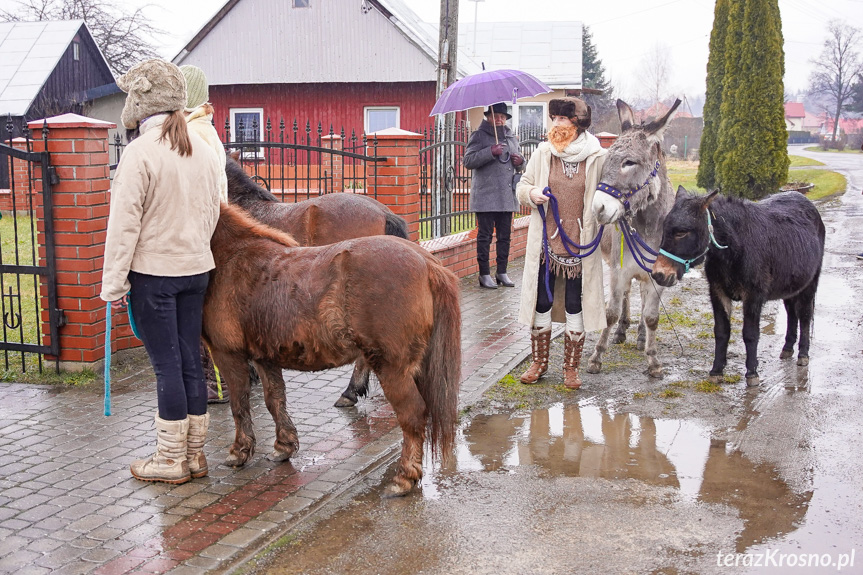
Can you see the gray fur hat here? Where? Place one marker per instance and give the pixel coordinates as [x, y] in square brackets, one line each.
[573, 108]
[153, 86]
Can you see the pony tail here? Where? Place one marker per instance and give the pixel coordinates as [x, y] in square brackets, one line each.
[177, 133]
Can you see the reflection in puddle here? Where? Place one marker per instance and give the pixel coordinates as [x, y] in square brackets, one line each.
[589, 441]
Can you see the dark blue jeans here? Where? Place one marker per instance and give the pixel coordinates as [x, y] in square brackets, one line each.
[167, 313]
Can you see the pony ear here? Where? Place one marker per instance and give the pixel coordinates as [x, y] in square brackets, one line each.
[656, 129]
[708, 199]
[624, 112]
[235, 154]
[681, 193]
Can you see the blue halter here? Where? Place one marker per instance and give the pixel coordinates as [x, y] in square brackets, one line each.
[623, 197]
[687, 263]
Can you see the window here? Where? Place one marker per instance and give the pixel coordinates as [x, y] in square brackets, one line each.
[76, 51]
[380, 118]
[247, 126]
[529, 118]
[301, 3]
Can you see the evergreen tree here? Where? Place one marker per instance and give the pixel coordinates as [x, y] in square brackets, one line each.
[593, 76]
[751, 158]
[713, 98]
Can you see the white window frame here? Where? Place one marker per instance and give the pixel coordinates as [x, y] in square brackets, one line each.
[368, 109]
[516, 113]
[76, 51]
[308, 4]
[249, 153]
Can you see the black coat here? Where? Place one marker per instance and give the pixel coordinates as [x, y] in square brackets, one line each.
[491, 185]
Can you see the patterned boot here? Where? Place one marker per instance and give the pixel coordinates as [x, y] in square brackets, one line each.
[198, 425]
[540, 342]
[573, 344]
[168, 464]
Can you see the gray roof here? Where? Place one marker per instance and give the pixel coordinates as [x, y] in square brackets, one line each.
[29, 52]
[551, 51]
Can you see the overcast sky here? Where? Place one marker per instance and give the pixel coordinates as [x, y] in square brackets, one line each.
[623, 30]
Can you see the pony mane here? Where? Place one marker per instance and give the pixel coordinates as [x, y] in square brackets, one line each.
[241, 186]
[242, 225]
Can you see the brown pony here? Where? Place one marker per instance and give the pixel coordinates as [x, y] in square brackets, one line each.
[382, 299]
[318, 221]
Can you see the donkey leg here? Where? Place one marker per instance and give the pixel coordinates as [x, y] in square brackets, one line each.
[805, 311]
[721, 333]
[357, 387]
[401, 391]
[287, 443]
[650, 319]
[791, 329]
[624, 321]
[234, 368]
[612, 314]
[751, 332]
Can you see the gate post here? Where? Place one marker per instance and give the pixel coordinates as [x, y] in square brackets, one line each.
[331, 164]
[79, 156]
[397, 181]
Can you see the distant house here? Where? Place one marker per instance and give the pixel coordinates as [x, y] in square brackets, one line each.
[795, 115]
[47, 69]
[362, 66]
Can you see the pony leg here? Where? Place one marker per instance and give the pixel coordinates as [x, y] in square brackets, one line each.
[410, 409]
[357, 387]
[650, 320]
[751, 332]
[287, 443]
[791, 329]
[612, 314]
[721, 333]
[805, 307]
[624, 322]
[234, 368]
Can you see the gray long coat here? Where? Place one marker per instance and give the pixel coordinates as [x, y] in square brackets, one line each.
[491, 186]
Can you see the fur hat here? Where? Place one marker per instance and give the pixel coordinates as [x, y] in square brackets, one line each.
[499, 108]
[573, 108]
[197, 88]
[153, 86]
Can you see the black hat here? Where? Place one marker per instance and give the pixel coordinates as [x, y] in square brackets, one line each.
[499, 108]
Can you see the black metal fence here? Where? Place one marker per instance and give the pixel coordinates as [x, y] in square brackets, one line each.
[25, 263]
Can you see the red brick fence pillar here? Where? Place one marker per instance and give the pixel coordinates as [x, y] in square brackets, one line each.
[397, 184]
[79, 154]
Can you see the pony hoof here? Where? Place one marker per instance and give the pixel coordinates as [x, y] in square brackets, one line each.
[345, 402]
[278, 456]
[398, 488]
[619, 338]
[655, 372]
[753, 380]
[594, 367]
[786, 353]
[716, 378]
[235, 461]
[803, 360]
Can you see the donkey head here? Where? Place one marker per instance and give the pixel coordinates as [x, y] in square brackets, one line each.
[631, 167]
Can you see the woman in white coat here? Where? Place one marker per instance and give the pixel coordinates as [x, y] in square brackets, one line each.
[569, 164]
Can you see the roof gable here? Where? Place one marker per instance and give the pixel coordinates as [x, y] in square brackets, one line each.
[269, 41]
[794, 110]
[30, 52]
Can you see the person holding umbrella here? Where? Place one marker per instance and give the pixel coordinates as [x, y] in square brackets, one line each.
[568, 167]
[492, 153]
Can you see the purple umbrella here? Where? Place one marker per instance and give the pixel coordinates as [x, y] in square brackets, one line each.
[487, 88]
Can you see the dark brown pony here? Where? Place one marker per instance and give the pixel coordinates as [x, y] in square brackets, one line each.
[382, 299]
[318, 221]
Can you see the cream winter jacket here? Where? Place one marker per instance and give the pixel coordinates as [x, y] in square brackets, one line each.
[164, 209]
[592, 299]
[200, 121]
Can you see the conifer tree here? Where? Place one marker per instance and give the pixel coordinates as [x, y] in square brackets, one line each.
[751, 158]
[593, 76]
[713, 99]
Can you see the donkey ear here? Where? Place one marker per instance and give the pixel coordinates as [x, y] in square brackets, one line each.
[624, 112]
[681, 193]
[656, 129]
[708, 199]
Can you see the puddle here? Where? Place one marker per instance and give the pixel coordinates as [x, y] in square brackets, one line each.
[594, 442]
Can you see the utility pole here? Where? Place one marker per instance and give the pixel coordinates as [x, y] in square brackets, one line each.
[446, 76]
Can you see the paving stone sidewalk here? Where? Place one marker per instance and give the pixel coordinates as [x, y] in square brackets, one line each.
[69, 505]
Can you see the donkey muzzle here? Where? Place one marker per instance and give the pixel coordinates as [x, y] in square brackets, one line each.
[664, 271]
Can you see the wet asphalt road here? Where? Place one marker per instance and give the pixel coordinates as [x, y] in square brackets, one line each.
[591, 487]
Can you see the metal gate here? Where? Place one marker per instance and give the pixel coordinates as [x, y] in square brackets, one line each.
[444, 184]
[27, 272]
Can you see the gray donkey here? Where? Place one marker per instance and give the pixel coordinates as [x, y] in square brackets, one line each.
[635, 177]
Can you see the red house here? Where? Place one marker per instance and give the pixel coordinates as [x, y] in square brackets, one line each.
[362, 66]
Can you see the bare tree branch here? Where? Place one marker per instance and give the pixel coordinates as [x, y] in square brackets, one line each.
[837, 67]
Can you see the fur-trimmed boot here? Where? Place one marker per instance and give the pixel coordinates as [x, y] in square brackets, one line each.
[168, 464]
[198, 425]
[573, 344]
[540, 342]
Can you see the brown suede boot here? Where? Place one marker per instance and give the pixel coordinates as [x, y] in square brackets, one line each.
[168, 464]
[198, 425]
[540, 342]
[573, 344]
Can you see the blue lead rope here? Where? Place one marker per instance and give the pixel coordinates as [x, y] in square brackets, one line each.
[108, 359]
[555, 212]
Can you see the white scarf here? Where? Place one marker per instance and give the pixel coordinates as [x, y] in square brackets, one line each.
[580, 148]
